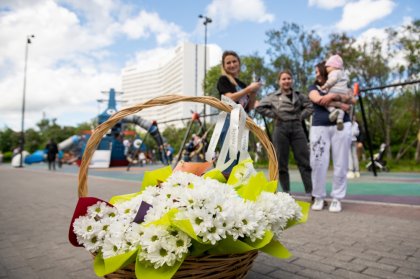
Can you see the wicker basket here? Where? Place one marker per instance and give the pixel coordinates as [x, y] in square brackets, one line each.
[206, 266]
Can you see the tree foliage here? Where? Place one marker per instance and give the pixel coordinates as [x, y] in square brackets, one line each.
[295, 49]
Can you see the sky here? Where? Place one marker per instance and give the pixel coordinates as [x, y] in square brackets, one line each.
[80, 47]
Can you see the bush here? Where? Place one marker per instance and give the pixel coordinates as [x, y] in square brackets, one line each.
[7, 156]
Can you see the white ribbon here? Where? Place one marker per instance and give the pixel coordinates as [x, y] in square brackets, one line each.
[236, 137]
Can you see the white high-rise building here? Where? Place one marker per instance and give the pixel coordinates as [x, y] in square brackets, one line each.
[181, 73]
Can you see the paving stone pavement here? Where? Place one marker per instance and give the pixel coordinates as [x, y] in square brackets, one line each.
[366, 240]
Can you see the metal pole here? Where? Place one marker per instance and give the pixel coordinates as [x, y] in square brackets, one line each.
[207, 20]
[205, 69]
[358, 92]
[22, 135]
[181, 148]
[390, 85]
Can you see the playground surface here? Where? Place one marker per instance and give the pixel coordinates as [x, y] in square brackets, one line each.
[387, 187]
[375, 236]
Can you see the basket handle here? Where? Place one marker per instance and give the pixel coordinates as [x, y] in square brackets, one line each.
[102, 129]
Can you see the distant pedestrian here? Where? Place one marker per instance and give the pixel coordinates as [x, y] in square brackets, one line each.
[52, 150]
[353, 159]
[258, 151]
[60, 158]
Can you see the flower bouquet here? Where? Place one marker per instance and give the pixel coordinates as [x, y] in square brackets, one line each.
[185, 225]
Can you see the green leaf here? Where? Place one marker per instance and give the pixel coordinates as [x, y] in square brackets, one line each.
[144, 271]
[305, 212]
[99, 265]
[198, 248]
[122, 198]
[165, 220]
[276, 249]
[152, 178]
[270, 186]
[253, 189]
[103, 266]
[186, 227]
[238, 172]
[259, 243]
[230, 246]
[215, 174]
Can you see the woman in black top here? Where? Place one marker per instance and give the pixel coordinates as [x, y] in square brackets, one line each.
[230, 86]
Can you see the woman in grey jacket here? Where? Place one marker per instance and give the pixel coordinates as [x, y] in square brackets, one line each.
[288, 108]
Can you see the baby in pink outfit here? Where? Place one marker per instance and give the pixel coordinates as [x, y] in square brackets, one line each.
[336, 83]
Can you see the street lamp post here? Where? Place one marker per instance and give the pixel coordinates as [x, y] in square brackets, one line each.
[22, 135]
[206, 21]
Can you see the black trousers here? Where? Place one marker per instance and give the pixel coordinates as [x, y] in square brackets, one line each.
[51, 164]
[291, 134]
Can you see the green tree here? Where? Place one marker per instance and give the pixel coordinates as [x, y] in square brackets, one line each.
[9, 140]
[33, 140]
[294, 48]
[211, 81]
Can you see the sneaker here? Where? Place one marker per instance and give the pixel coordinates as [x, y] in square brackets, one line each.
[318, 204]
[335, 206]
[340, 124]
[351, 175]
[357, 174]
[333, 115]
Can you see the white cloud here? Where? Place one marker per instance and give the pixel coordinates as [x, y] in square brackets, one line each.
[327, 4]
[357, 15]
[71, 58]
[145, 24]
[157, 57]
[222, 12]
[67, 61]
[380, 34]
[152, 58]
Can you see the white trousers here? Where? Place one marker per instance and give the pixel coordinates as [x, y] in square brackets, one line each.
[353, 159]
[323, 139]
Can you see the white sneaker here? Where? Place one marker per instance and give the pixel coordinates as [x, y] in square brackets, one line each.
[357, 174]
[318, 204]
[335, 206]
[351, 175]
[333, 115]
[340, 124]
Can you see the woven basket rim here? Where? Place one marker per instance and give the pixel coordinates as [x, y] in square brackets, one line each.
[102, 129]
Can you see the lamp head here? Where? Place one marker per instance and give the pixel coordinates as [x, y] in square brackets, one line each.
[28, 38]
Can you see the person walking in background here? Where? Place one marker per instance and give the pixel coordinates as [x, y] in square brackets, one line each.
[288, 108]
[229, 85]
[258, 151]
[52, 150]
[337, 83]
[324, 136]
[353, 159]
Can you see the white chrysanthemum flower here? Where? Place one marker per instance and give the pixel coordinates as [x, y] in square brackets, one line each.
[163, 246]
[278, 209]
[127, 210]
[86, 227]
[104, 225]
[133, 235]
[97, 210]
[93, 244]
[114, 246]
